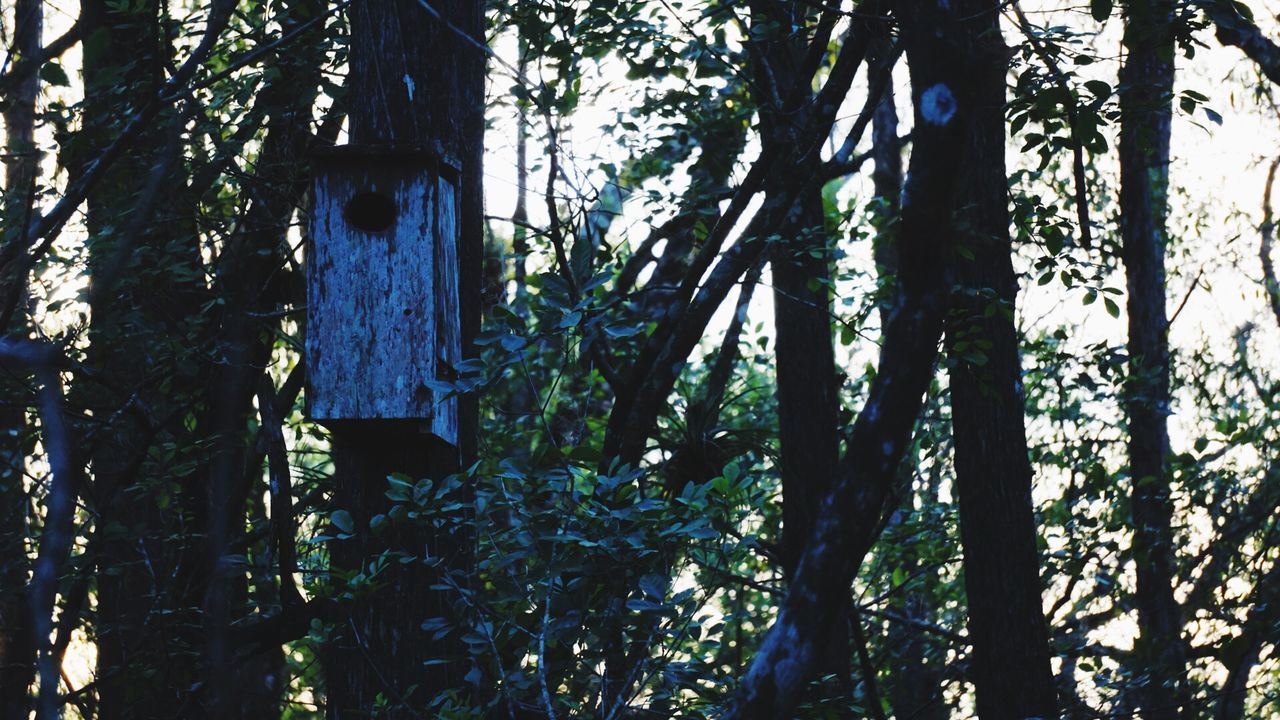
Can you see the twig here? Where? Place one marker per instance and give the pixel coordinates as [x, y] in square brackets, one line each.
[1073, 124]
[866, 666]
[1194, 284]
[1267, 232]
[544, 686]
[282, 519]
[554, 232]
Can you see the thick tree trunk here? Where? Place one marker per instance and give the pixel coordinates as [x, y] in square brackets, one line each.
[1146, 96]
[378, 648]
[417, 80]
[17, 642]
[993, 473]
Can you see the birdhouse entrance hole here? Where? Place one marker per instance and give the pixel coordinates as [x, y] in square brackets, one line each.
[371, 212]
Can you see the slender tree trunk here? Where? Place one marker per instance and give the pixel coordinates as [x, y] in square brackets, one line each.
[1146, 96]
[250, 288]
[417, 79]
[808, 393]
[914, 688]
[845, 526]
[808, 382]
[886, 179]
[993, 473]
[520, 215]
[147, 288]
[17, 643]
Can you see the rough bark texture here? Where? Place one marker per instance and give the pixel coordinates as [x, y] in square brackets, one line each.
[17, 643]
[808, 384]
[848, 516]
[378, 647]
[914, 690]
[1146, 94]
[145, 298]
[1011, 668]
[417, 81]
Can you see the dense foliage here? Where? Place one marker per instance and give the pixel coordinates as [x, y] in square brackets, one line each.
[701, 398]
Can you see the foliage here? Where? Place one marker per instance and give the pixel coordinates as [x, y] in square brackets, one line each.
[621, 564]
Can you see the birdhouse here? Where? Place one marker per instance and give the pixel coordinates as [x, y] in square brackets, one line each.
[383, 327]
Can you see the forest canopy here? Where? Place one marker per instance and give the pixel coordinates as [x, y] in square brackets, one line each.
[739, 359]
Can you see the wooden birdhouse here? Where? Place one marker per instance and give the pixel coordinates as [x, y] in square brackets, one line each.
[382, 287]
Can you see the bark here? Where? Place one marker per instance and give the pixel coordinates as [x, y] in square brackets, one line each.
[17, 642]
[146, 292]
[1146, 94]
[1234, 29]
[417, 81]
[886, 178]
[251, 283]
[644, 394]
[808, 384]
[914, 689]
[1011, 668]
[850, 514]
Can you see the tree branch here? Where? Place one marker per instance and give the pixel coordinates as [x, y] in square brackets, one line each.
[1236, 30]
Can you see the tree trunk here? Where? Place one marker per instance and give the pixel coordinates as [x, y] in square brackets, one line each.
[808, 393]
[881, 435]
[914, 689]
[1146, 95]
[993, 473]
[250, 286]
[417, 80]
[808, 384]
[17, 642]
[147, 288]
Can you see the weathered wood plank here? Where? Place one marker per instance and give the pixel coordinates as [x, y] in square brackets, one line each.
[382, 297]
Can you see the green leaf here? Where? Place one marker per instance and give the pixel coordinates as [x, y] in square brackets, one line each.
[732, 472]
[1101, 9]
[1099, 88]
[53, 74]
[1112, 308]
[847, 335]
[342, 520]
